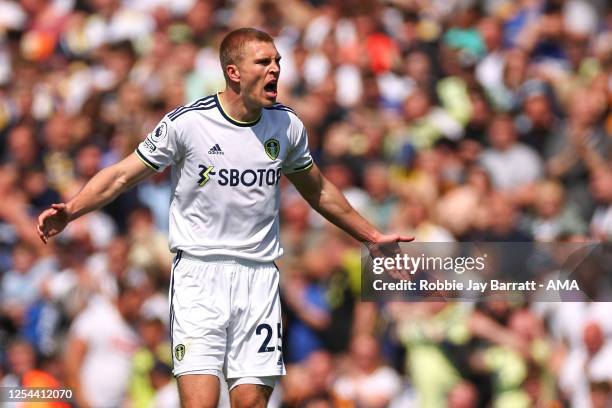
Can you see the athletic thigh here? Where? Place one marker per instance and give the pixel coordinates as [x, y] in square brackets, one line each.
[249, 395]
[199, 390]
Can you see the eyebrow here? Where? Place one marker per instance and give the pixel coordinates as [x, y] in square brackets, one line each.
[265, 59]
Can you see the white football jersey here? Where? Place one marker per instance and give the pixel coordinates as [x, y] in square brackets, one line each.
[225, 176]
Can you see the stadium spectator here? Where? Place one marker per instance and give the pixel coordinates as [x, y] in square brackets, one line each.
[588, 364]
[150, 363]
[601, 187]
[21, 358]
[20, 287]
[166, 391]
[500, 221]
[367, 382]
[307, 306]
[510, 163]
[463, 395]
[98, 363]
[24, 372]
[553, 216]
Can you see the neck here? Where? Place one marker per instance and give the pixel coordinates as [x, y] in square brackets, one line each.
[235, 106]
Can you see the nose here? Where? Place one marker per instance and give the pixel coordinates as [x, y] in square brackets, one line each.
[275, 68]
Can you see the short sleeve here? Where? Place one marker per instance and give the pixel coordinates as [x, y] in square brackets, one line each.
[298, 158]
[161, 147]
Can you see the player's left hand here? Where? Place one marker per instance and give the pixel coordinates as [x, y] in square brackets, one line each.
[387, 245]
[390, 238]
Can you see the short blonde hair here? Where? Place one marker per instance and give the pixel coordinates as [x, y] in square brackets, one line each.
[233, 44]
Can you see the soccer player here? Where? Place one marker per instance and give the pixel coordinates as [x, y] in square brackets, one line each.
[227, 153]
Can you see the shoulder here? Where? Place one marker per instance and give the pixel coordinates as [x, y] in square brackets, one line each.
[525, 150]
[203, 104]
[279, 109]
[490, 154]
[280, 112]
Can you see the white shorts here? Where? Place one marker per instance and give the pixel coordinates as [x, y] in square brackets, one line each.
[225, 315]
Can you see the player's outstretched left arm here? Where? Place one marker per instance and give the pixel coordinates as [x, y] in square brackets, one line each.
[327, 200]
[104, 187]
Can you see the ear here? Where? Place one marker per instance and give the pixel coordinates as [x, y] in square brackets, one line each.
[233, 73]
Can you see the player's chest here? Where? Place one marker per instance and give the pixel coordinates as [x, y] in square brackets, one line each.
[255, 146]
[238, 159]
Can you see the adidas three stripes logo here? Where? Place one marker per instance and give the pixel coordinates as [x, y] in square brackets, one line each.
[216, 149]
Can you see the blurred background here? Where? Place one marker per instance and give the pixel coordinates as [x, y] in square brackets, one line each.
[452, 120]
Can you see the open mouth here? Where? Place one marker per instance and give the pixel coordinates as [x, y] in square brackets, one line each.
[271, 88]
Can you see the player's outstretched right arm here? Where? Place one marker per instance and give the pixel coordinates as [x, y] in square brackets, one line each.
[103, 188]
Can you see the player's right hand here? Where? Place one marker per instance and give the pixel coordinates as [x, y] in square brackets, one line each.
[52, 221]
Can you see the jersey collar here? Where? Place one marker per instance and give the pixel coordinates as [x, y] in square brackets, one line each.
[232, 120]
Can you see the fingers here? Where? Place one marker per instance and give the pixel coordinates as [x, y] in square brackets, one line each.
[393, 238]
[399, 274]
[42, 229]
[59, 207]
[41, 234]
[401, 238]
[45, 214]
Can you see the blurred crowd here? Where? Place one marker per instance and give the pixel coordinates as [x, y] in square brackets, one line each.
[451, 120]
